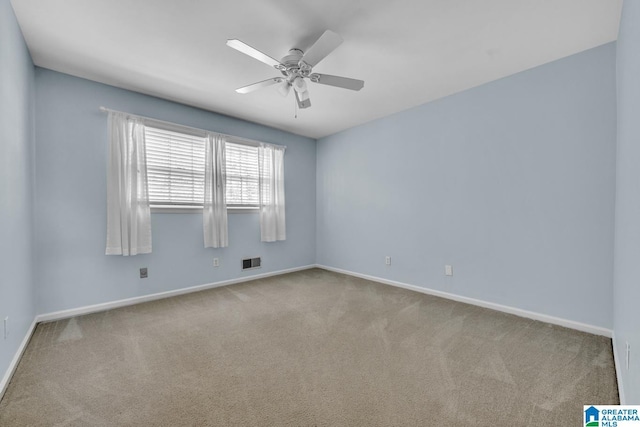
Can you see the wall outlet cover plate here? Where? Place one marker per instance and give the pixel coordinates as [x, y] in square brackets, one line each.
[448, 270]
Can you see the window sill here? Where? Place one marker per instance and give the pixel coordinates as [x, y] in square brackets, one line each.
[198, 210]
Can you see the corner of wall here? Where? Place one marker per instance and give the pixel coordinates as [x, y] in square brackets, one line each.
[17, 145]
[626, 292]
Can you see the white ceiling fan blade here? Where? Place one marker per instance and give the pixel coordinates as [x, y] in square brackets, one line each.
[321, 48]
[259, 85]
[343, 82]
[302, 98]
[252, 52]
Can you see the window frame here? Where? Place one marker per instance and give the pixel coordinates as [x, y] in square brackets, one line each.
[247, 207]
[195, 209]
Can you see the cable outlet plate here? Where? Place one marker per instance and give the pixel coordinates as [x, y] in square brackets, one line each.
[144, 273]
[216, 262]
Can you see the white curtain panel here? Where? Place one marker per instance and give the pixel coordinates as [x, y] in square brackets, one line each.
[128, 210]
[272, 206]
[214, 212]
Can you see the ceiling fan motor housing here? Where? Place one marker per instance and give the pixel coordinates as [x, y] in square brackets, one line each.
[293, 58]
[292, 65]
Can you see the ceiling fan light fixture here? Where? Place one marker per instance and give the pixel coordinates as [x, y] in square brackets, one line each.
[284, 88]
[299, 85]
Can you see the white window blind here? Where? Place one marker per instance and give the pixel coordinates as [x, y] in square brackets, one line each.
[242, 175]
[175, 167]
[175, 170]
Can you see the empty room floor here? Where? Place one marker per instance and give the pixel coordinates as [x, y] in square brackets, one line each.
[311, 348]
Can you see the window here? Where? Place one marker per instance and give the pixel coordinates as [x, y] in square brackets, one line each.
[175, 170]
[242, 175]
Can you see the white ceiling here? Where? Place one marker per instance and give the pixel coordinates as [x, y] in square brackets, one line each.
[408, 52]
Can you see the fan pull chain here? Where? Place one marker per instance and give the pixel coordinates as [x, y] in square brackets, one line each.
[295, 107]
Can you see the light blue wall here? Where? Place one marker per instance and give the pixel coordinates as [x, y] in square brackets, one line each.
[627, 238]
[511, 182]
[16, 185]
[73, 271]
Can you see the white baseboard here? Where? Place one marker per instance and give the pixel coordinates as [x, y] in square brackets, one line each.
[596, 330]
[616, 362]
[16, 359]
[64, 314]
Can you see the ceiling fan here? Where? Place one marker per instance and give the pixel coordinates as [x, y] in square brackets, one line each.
[298, 66]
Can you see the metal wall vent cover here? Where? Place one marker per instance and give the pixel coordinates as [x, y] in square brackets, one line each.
[249, 263]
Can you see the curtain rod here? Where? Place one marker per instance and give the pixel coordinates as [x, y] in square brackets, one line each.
[152, 120]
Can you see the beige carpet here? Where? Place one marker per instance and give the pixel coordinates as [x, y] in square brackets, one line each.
[311, 348]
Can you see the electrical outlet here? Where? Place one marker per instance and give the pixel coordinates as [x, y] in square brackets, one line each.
[143, 273]
[216, 262]
[387, 260]
[6, 327]
[628, 354]
[448, 270]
